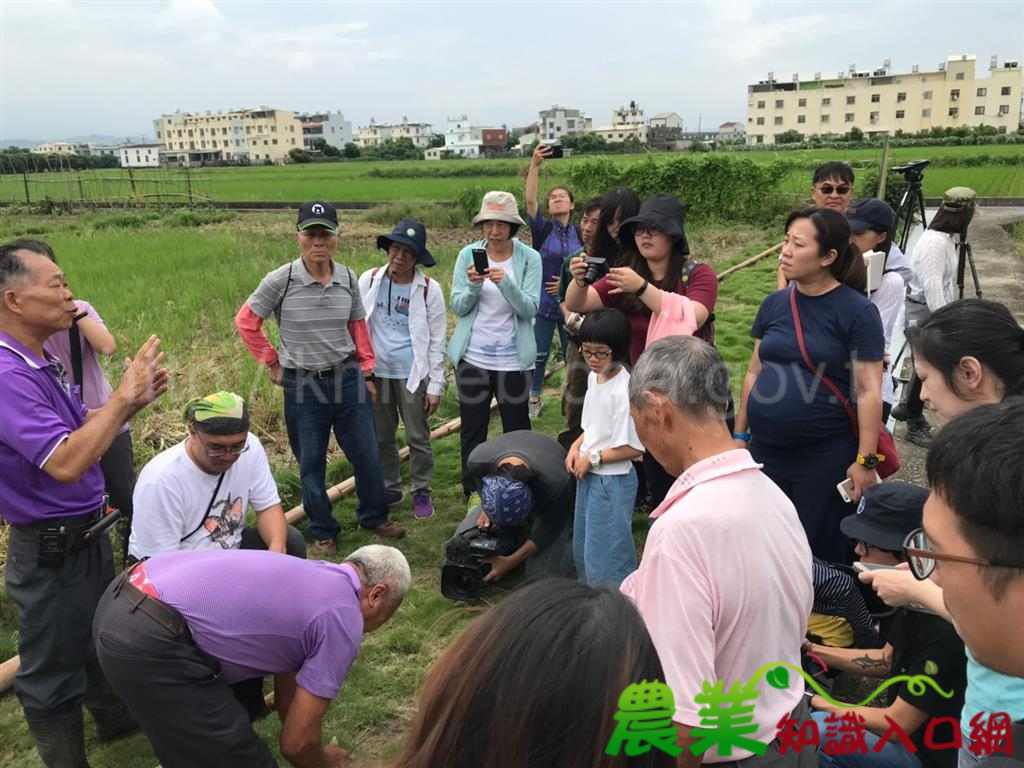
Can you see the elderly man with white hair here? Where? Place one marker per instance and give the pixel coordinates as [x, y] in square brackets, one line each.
[725, 581]
[174, 631]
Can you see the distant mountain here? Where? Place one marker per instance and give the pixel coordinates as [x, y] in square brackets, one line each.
[98, 138]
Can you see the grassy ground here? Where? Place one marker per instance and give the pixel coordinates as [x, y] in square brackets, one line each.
[185, 281]
[356, 180]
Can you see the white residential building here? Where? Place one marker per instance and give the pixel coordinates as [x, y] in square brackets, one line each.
[667, 120]
[332, 127]
[561, 121]
[140, 155]
[631, 115]
[375, 134]
[55, 148]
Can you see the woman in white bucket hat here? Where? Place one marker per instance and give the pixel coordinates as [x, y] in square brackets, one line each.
[493, 347]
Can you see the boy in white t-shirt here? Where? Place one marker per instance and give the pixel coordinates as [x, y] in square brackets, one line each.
[601, 458]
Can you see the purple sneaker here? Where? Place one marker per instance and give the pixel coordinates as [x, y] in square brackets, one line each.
[422, 507]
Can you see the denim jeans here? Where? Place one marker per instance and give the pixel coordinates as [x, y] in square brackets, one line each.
[602, 534]
[544, 332]
[312, 408]
[893, 754]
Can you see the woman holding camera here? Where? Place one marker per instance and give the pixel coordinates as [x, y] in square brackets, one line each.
[656, 259]
[495, 296]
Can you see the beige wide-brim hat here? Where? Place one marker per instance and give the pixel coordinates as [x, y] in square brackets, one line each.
[499, 206]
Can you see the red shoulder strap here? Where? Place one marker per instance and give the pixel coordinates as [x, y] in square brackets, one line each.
[820, 375]
[426, 285]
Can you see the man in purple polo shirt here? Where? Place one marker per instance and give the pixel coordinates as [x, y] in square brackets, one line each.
[52, 493]
[174, 632]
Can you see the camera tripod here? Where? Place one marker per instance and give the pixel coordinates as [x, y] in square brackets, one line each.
[965, 258]
[911, 199]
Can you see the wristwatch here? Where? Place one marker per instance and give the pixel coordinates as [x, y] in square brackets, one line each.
[870, 461]
[595, 459]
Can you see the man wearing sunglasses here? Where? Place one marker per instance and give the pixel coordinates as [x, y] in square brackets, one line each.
[918, 643]
[832, 186]
[195, 495]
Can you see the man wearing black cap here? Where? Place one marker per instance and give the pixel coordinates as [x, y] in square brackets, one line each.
[325, 364]
[919, 644]
[406, 315]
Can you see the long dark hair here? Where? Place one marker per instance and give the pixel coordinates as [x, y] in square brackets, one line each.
[978, 328]
[624, 202]
[535, 681]
[832, 232]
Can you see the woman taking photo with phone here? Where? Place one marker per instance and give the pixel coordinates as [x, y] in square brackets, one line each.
[495, 295]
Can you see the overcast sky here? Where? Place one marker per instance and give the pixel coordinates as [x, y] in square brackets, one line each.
[74, 68]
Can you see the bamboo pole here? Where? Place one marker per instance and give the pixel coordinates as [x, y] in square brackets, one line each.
[749, 262]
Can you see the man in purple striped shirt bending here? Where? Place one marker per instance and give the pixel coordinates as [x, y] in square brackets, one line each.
[174, 631]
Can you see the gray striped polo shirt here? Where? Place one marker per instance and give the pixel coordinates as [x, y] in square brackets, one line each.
[313, 318]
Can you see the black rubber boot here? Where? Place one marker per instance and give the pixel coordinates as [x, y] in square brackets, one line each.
[113, 720]
[59, 736]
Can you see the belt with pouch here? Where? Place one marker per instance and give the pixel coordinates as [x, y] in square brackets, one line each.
[79, 528]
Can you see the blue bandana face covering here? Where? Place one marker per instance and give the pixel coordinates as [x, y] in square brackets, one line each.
[505, 501]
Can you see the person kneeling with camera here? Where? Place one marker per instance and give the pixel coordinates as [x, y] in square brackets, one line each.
[521, 476]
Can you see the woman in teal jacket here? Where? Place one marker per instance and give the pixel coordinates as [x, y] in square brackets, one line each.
[493, 347]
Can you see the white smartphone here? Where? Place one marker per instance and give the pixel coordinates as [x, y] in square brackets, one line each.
[845, 488]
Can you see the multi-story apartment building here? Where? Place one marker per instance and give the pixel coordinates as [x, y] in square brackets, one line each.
[627, 122]
[375, 134]
[879, 102]
[55, 148]
[250, 135]
[140, 155]
[560, 121]
[332, 127]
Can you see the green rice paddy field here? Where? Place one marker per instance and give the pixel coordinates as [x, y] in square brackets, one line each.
[359, 181]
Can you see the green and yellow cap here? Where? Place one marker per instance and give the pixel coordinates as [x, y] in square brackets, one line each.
[222, 413]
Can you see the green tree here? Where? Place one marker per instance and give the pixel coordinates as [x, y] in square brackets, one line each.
[789, 137]
[351, 151]
[437, 140]
[855, 134]
[298, 155]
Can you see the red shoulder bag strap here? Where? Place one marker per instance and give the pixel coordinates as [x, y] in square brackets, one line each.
[843, 400]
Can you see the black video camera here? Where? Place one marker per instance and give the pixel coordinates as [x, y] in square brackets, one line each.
[462, 577]
[597, 267]
[912, 172]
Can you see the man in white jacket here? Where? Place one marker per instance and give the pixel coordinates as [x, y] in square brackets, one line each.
[406, 316]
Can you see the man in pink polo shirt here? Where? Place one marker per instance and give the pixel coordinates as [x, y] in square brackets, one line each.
[724, 585]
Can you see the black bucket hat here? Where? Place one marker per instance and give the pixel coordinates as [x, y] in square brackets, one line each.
[886, 514]
[663, 213]
[413, 234]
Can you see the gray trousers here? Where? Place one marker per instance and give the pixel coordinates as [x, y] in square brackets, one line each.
[54, 608]
[174, 690]
[394, 400]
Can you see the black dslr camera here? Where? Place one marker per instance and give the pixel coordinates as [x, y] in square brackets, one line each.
[597, 267]
[462, 577]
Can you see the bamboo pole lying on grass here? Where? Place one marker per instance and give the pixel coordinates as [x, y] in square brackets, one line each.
[749, 262]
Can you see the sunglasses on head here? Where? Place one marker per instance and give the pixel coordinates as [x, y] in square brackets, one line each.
[828, 189]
